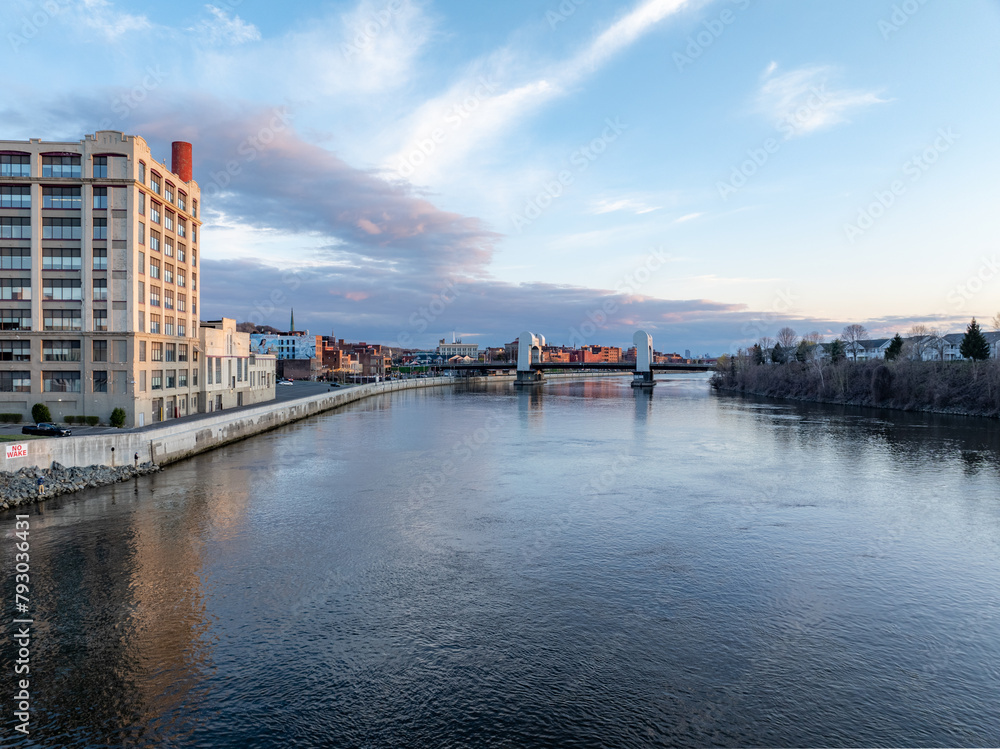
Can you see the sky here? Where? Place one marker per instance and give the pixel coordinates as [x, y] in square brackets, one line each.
[401, 170]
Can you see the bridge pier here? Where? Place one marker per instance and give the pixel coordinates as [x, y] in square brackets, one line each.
[529, 351]
[643, 377]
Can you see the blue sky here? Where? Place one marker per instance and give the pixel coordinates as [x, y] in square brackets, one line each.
[399, 169]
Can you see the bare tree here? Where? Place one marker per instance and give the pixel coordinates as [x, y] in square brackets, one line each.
[917, 341]
[854, 333]
[995, 322]
[813, 337]
[787, 338]
[766, 343]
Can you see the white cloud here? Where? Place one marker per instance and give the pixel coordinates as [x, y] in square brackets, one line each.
[225, 29]
[625, 204]
[102, 16]
[803, 101]
[507, 101]
[688, 217]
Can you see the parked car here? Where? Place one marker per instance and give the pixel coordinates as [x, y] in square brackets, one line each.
[46, 430]
[285, 382]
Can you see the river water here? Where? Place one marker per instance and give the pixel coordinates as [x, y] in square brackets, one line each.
[578, 566]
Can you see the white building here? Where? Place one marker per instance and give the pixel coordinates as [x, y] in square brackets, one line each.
[457, 348]
[288, 345]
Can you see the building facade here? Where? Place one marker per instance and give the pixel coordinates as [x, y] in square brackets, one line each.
[98, 278]
[288, 345]
[448, 350]
[231, 373]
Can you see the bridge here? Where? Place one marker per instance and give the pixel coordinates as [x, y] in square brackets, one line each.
[530, 367]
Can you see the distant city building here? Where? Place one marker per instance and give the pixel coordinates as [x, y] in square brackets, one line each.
[457, 348]
[231, 373]
[288, 345]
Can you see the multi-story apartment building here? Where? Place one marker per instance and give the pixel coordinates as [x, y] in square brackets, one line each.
[98, 278]
[457, 348]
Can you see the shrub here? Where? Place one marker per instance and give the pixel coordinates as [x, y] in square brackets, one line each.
[93, 420]
[881, 383]
[40, 412]
[10, 418]
[69, 419]
[117, 419]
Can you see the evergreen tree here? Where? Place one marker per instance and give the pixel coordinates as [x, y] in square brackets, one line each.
[837, 353]
[974, 345]
[778, 354]
[895, 348]
[757, 354]
[803, 352]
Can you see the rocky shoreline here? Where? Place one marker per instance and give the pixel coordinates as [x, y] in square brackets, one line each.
[30, 485]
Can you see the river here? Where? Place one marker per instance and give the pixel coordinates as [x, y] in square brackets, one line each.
[578, 566]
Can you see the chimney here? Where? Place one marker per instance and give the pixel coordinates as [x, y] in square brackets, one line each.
[181, 159]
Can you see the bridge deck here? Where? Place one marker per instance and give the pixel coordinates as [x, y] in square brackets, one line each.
[576, 366]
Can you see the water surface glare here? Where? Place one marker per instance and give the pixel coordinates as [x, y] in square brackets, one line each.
[578, 566]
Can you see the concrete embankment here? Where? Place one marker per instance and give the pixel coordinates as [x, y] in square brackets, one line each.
[106, 458]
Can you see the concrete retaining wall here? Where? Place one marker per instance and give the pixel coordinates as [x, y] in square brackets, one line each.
[180, 439]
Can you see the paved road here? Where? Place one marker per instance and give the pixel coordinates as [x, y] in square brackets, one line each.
[283, 393]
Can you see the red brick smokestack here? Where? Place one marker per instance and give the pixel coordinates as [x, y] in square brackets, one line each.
[181, 160]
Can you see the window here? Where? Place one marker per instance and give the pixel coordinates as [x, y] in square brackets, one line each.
[154, 323]
[168, 327]
[100, 228]
[182, 201]
[181, 303]
[142, 172]
[100, 350]
[194, 209]
[181, 279]
[180, 253]
[154, 212]
[60, 351]
[182, 352]
[142, 381]
[168, 299]
[15, 382]
[142, 321]
[194, 378]
[157, 379]
[61, 319]
[142, 233]
[15, 289]
[182, 379]
[142, 262]
[100, 319]
[168, 221]
[168, 247]
[100, 289]
[15, 319]
[142, 203]
[171, 378]
[168, 273]
[218, 369]
[142, 351]
[154, 268]
[194, 257]
[18, 196]
[64, 198]
[194, 306]
[100, 167]
[154, 240]
[154, 183]
[15, 227]
[15, 165]
[181, 228]
[62, 289]
[61, 228]
[16, 350]
[170, 352]
[61, 258]
[100, 198]
[154, 296]
[208, 369]
[194, 281]
[61, 382]
[168, 193]
[15, 258]
[100, 258]
[100, 382]
[194, 233]
[61, 166]
[181, 328]
[141, 296]
[157, 352]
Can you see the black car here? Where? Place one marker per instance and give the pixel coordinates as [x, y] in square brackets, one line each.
[46, 430]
